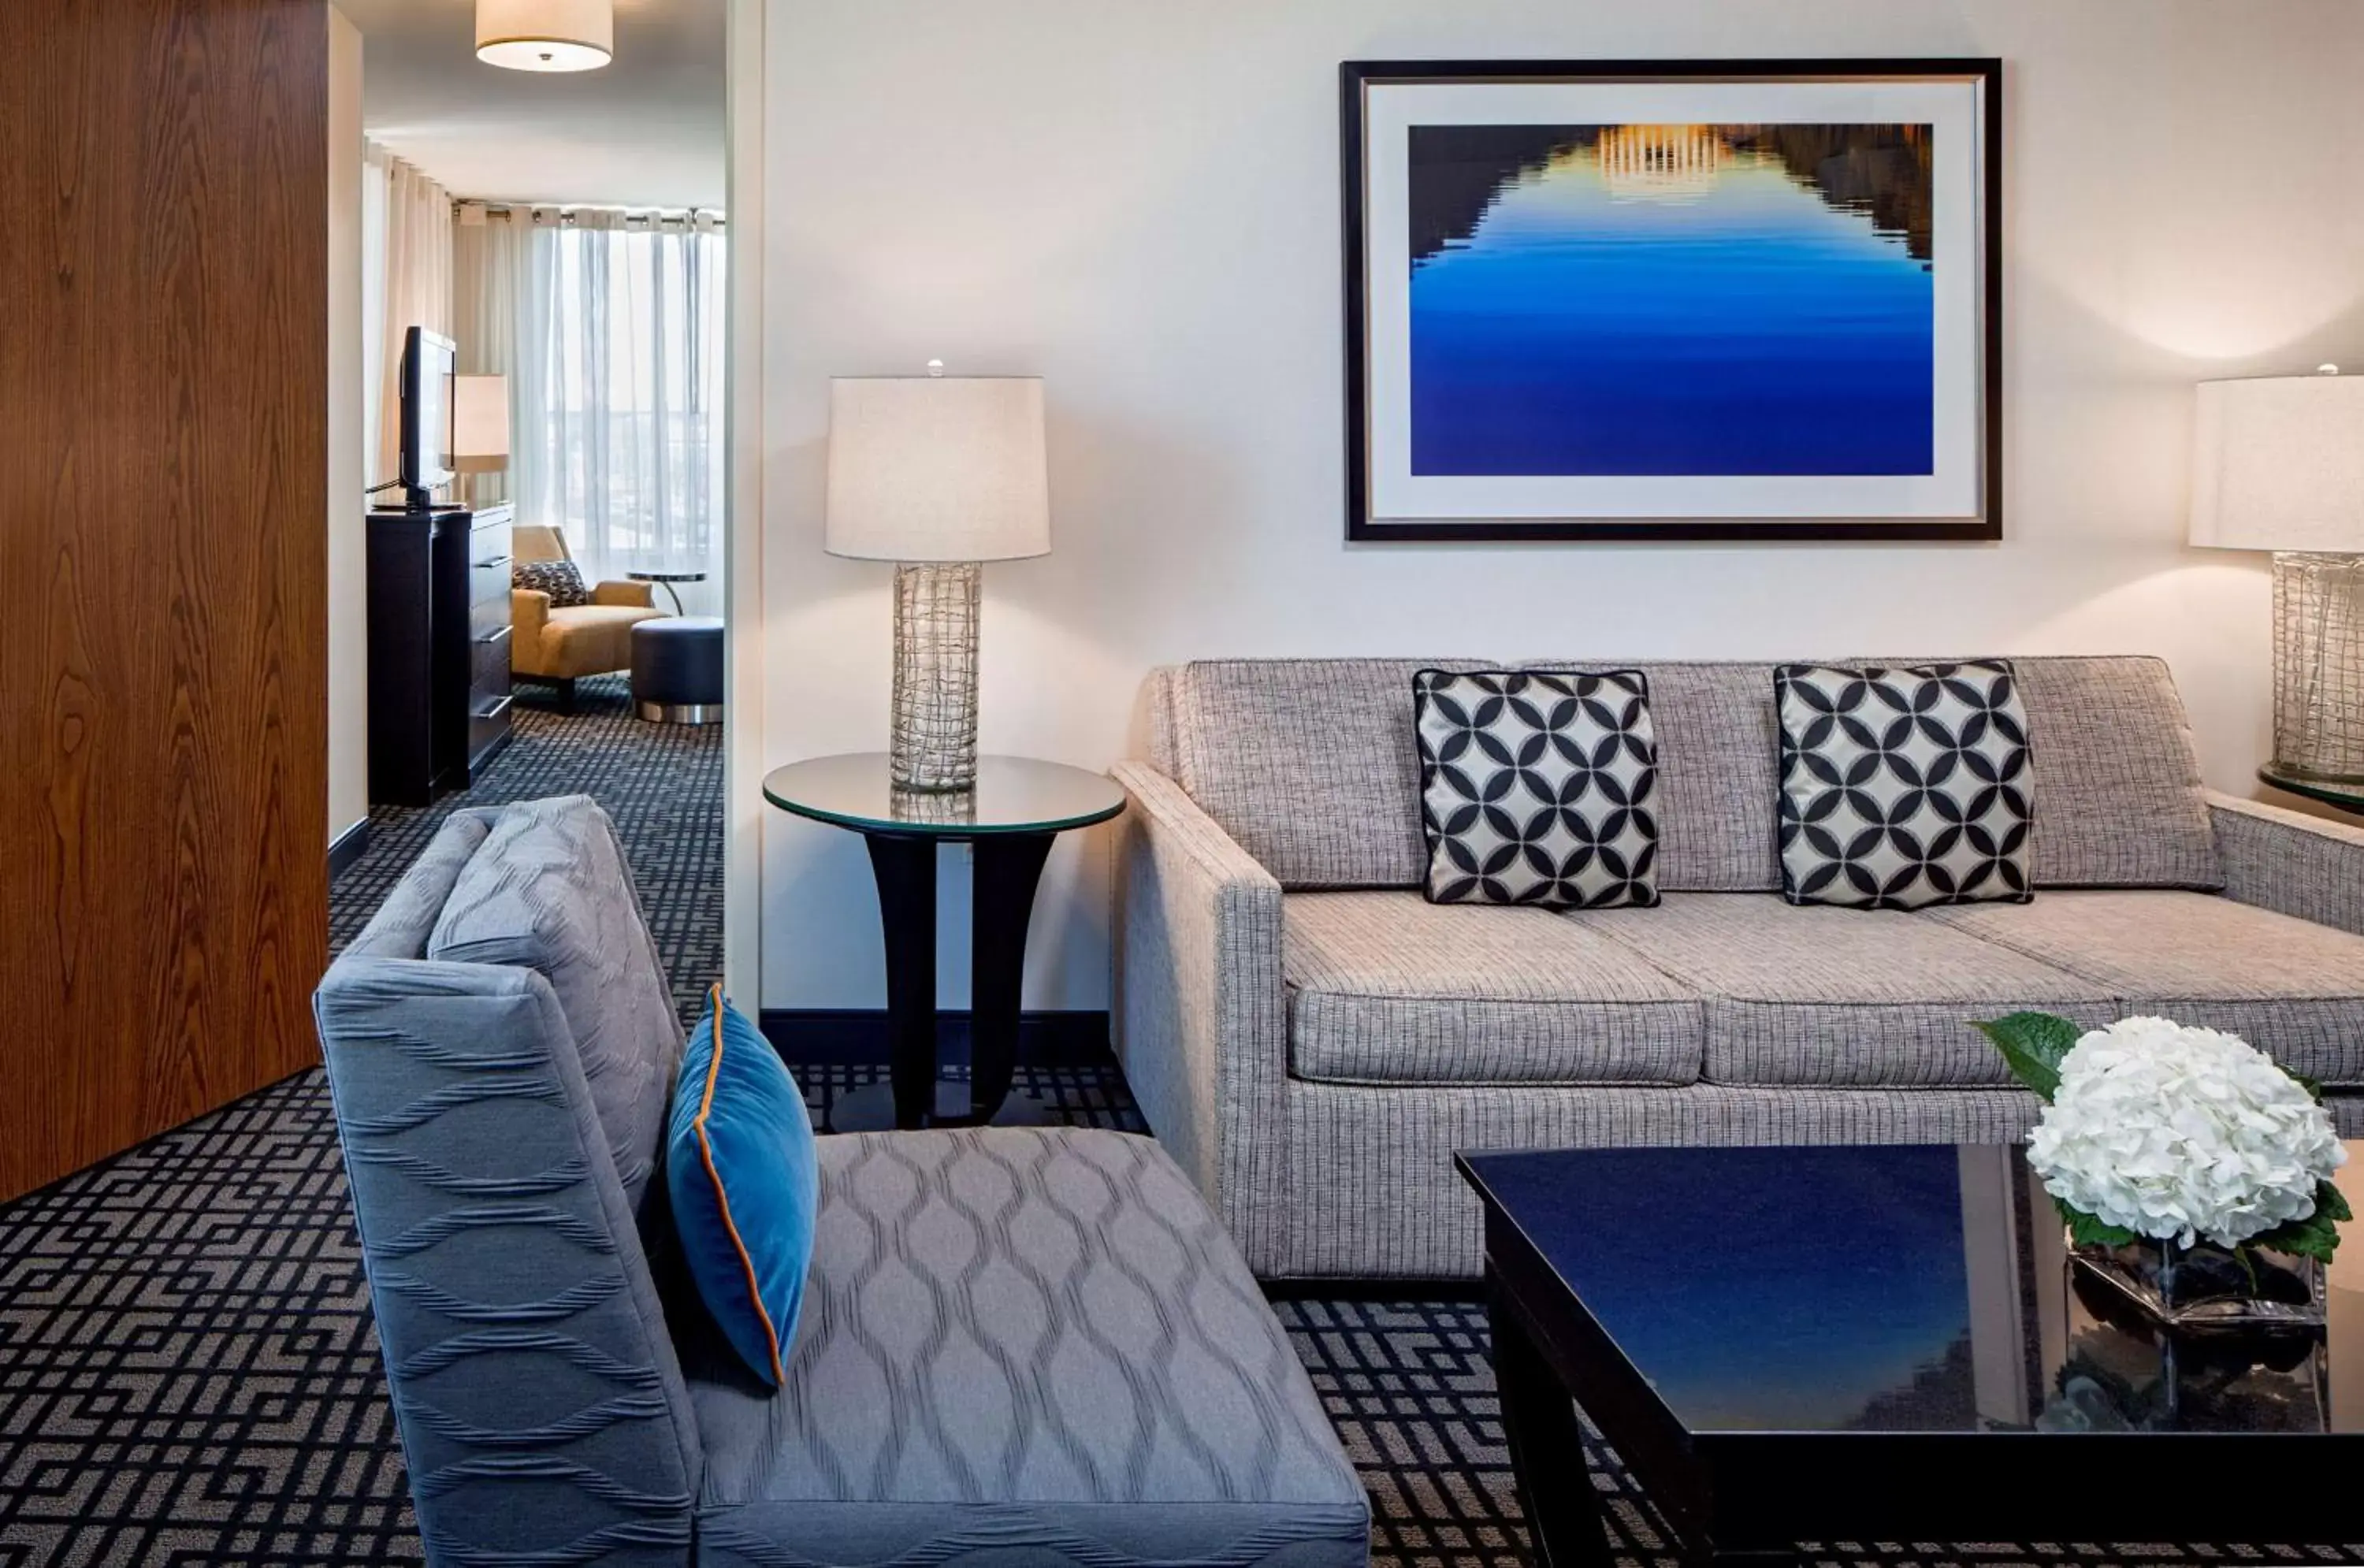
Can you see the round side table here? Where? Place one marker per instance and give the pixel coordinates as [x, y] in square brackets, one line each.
[666, 580]
[1019, 805]
[2346, 796]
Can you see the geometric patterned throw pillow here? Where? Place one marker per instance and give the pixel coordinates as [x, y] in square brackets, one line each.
[561, 580]
[1903, 788]
[1536, 786]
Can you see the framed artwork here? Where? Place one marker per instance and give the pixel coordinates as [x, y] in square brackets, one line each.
[1652, 299]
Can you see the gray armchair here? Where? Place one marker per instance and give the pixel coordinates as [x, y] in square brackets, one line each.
[1017, 1344]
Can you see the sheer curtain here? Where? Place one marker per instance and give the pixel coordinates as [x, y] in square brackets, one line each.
[616, 390]
[494, 265]
[406, 267]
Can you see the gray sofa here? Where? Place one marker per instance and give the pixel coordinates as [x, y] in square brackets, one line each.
[1016, 1345]
[1312, 1041]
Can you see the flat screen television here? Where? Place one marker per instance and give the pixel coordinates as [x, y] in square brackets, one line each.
[429, 363]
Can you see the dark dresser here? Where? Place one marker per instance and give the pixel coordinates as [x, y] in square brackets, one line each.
[439, 649]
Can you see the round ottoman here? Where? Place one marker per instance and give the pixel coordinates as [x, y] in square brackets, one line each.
[677, 669]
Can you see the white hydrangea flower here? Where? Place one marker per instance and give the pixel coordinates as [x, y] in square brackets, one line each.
[2180, 1132]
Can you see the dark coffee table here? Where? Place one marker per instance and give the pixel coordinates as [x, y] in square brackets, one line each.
[1868, 1344]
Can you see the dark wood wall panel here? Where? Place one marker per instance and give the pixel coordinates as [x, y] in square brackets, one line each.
[163, 450]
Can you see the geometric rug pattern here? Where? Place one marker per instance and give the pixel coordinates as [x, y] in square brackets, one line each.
[188, 1374]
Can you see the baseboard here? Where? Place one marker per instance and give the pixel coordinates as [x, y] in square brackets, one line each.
[348, 847]
[856, 1037]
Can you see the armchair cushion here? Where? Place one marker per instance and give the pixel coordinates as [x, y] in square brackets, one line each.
[1024, 1346]
[587, 639]
[631, 596]
[740, 1164]
[561, 580]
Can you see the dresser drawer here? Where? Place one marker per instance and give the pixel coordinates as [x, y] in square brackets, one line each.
[488, 658]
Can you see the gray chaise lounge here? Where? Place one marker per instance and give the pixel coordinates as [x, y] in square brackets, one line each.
[1312, 1041]
[1017, 1346]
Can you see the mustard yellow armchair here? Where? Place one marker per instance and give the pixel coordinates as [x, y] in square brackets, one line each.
[556, 646]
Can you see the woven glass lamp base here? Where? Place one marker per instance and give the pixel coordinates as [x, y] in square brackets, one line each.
[2319, 667]
[934, 746]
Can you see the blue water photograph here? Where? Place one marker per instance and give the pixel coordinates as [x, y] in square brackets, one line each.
[1689, 300]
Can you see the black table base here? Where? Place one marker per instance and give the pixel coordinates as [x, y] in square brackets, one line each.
[1008, 868]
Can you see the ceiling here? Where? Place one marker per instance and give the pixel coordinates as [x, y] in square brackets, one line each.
[647, 130]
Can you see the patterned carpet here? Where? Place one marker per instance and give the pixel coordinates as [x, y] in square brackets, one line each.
[188, 1374]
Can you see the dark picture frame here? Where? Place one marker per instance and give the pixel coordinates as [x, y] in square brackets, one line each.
[1982, 467]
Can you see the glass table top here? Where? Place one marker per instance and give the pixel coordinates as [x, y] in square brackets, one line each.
[1897, 1289]
[1013, 795]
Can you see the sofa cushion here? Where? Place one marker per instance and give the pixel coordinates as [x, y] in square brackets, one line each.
[1023, 1345]
[2292, 989]
[548, 890]
[1310, 764]
[1388, 988]
[2118, 797]
[1903, 787]
[1537, 787]
[1832, 997]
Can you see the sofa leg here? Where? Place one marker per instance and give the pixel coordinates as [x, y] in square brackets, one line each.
[566, 694]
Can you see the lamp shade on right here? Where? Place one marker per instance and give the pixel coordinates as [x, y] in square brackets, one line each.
[937, 469]
[2278, 464]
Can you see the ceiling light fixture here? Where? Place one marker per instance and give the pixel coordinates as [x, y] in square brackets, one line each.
[546, 35]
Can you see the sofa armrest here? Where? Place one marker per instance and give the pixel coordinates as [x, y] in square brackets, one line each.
[631, 596]
[2291, 862]
[1203, 1022]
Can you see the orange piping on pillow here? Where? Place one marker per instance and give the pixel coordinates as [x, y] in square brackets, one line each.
[722, 1199]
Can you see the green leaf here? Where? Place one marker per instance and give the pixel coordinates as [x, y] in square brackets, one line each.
[2085, 1230]
[2033, 1043]
[2317, 1236]
[2313, 1089]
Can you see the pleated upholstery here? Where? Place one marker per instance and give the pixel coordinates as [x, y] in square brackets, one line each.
[1025, 1342]
[543, 1411]
[548, 890]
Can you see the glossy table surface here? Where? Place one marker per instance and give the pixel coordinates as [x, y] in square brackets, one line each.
[2346, 796]
[1013, 795]
[1890, 1289]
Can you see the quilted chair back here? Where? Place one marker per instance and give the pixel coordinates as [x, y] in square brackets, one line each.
[541, 1409]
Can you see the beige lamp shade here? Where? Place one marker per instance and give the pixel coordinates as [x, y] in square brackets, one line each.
[479, 423]
[937, 469]
[2278, 464]
[546, 35]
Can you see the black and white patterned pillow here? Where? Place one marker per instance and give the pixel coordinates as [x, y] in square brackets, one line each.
[1536, 786]
[561, 580]
[1902, 788]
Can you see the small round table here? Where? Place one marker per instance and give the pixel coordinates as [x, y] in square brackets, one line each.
[1018, 806]
[2346, 796]
[666, 580]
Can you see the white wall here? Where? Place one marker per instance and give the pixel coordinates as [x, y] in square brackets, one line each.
[347, 540]
[1140, 202]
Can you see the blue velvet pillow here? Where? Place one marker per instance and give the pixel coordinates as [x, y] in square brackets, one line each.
[745, 1182]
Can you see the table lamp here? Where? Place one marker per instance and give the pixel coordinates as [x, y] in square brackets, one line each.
[480, 427]
[937, 473]
[2278, 464]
